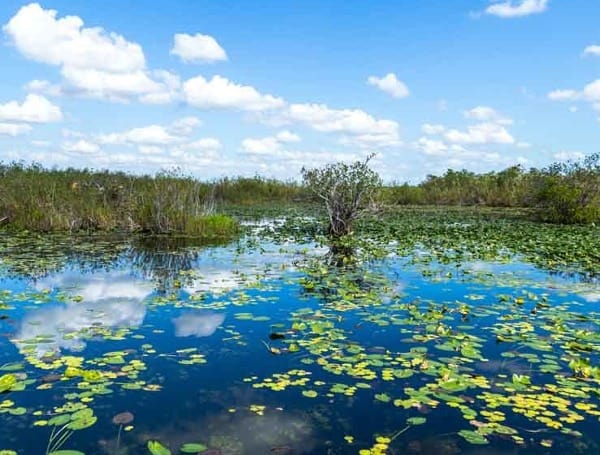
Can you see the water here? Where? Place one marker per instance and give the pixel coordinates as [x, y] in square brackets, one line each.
[262, 347]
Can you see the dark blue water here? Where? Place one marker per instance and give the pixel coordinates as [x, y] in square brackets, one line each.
[265, 348]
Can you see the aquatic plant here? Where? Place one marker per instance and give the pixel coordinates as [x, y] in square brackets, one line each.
[122, 418]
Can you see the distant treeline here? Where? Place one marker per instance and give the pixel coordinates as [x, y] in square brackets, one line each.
[35, 198]
[561, 193]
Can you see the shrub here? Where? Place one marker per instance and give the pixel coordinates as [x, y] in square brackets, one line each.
[346, 190]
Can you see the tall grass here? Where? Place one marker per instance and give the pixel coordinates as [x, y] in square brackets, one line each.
[38, 199]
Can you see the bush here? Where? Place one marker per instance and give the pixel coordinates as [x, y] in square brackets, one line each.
[346, 190]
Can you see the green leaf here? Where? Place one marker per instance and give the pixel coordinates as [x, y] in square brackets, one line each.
[416, 420]
[193, 447]
[156, 448]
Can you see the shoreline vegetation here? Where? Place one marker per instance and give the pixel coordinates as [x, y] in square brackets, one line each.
[33, 198]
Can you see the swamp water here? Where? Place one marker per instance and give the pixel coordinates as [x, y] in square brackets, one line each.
[266, 346]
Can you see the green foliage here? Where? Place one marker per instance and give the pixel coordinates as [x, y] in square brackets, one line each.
[72, 200]
[346, 190]
[569, 193]
[565, 193]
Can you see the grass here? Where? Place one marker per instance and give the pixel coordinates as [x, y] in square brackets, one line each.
[72, 200]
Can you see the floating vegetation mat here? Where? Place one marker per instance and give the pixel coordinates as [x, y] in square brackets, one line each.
[273, 344]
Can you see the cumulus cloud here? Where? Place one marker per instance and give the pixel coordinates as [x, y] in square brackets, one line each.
[185, 126]
[431, 146]
[589, 93]
[92, 62]
[14, 129]
[389, 84]
[43, 87]
[198, 324]
[471, 147]
[490, 129]
[357, 127]
[150, 135]
[564, 95]
[593, 49]
[155, 135]
[431, 129]
[487, 114]
[197, 48]
[269, 144]
[81, 146]
[221, 93]
[145, 149]
[481, 133]
[34, 109]
[521, 8]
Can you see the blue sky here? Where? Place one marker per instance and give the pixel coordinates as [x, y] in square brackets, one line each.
[266, 87]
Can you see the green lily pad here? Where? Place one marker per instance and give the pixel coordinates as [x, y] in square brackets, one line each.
[193, 447]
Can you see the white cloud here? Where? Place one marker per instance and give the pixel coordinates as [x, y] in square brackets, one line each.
[145, 149]
[564, 95]
[591, 296]
[43, 87]
[510, 9]
[568, 156]
[81, 146]
[221, 93]
[269, 144]
[593, 49]
[260, 146]
[357, 127]
[147, 135]
[34, 109]
[92, 62]
[185, 126]
[175, 133]
[197, 48]
[14, 129]
[151, 150]
[110, 299]
[390, 84]
[41, 37]
[431, 129]
[591, 91]
[197, 324]
[481, 133]
[207, 144]
[432, 147]
[287, 136]
[487, 114]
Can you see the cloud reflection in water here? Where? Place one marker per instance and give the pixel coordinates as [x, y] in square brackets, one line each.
[110, 299]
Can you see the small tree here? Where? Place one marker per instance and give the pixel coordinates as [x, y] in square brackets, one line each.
[346, 190]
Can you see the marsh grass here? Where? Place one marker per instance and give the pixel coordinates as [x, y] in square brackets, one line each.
[71, 200]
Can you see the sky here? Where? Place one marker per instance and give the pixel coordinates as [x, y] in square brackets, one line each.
[240, 88]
